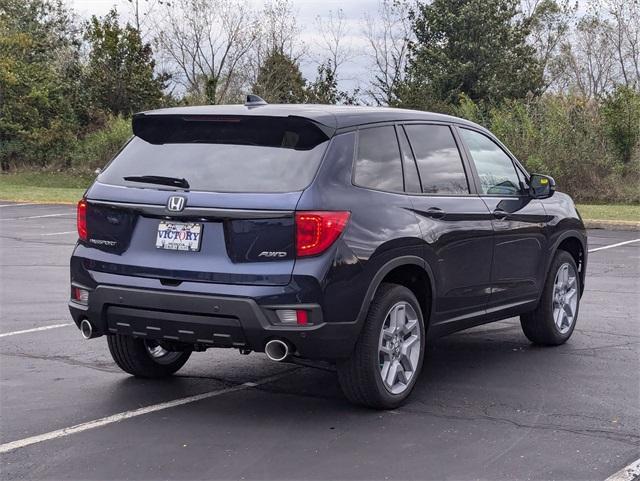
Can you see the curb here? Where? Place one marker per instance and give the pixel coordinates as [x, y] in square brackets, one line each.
[612, 224]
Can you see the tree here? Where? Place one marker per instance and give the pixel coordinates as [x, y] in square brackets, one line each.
[324, 90]
[121, 68]
[389, 35]
[549, 25]
[475, 47]
[625, 39]
[40, 91]
[207, 42]
[333, 41]
[277, 31]
[280, 80]
[621, 111]
[588, 63]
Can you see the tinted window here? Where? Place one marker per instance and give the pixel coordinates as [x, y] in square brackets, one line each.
[411, 177]
[378, 160]
[496, 170]
[439, 160]
[221, 154]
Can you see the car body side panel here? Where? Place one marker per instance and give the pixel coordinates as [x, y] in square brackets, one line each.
[518, 271]
[459, 249]
[382, 227]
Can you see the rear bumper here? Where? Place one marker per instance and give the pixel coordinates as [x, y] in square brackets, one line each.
[215, 321]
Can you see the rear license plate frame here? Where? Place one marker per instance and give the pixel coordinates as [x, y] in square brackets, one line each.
[178, 242]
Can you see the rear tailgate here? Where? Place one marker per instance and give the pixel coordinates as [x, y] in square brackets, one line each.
[237, 245]
[208, 199]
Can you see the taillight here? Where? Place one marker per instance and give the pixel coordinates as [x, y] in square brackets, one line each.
[82, 220]
[317, 230]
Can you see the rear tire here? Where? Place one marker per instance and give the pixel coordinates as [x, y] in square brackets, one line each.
[145, 358]
[553, 321]
[389, 353]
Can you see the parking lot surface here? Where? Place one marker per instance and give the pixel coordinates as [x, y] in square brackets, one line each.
[489, 405]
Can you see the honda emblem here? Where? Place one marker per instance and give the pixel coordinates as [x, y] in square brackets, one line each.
[176, 203]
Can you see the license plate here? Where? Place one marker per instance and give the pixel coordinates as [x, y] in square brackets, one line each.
[179, 236]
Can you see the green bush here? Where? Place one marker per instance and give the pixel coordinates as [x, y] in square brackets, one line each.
[621, 112]
[568, 138]
[98, 147]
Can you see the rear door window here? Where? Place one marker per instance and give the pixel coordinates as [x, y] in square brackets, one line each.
[439, 160]
[221, 154]
[378, 165]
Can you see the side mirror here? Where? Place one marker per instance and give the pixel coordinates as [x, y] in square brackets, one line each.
[541, 186]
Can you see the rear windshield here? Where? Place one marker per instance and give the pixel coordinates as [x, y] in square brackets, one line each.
[220, 154]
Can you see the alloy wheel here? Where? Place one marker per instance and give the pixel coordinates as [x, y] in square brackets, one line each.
[159, 354]
[399, 347]
[565, 297]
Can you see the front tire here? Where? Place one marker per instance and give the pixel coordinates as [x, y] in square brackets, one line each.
[145, 358]
[553, 321]
[388, 356]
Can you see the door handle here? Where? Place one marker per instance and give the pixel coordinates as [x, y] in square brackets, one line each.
[500, 214]
[435, 213]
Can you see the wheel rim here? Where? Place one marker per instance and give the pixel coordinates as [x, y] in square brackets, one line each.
[565, 297]
[159, 354]
[399, 347]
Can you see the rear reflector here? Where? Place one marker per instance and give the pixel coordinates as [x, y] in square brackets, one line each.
[301, 317]
[79, 295]
[293, 316]
[82, 220]
[317, 230]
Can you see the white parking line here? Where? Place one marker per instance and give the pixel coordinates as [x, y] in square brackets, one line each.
[16, 205]
[78, 428]
[35, 329]
[40, 216]
[613, 245]
[60, 233]
[627, 473]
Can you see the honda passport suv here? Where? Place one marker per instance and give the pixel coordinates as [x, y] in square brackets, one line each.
[349, 235]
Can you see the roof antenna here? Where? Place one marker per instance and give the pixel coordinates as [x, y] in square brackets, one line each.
[254, 101]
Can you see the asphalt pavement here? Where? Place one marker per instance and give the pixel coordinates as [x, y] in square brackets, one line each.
[489, 405]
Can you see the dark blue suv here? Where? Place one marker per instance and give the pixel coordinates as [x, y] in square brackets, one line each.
[339, 234]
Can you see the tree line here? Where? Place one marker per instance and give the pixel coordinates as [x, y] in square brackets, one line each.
[560, 85]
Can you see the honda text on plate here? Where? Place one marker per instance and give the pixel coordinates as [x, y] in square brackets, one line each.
[349, 235]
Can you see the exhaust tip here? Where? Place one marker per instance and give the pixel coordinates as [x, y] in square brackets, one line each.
[86, 329]
[276, 350]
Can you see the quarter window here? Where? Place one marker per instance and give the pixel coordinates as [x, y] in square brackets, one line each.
[495, 168]
[378, 164]
[439, 160]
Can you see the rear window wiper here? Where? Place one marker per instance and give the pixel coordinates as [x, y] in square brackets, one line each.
[158, 179]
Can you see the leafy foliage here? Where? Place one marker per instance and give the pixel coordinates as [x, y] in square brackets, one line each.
[121, 68]
[566, 137]
[474, 47]
[621, 112]
[324, 90]
[280, 80]
[39, 91]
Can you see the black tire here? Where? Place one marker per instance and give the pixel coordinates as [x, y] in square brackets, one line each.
[132, 355]
[539, 325]
[360, 376]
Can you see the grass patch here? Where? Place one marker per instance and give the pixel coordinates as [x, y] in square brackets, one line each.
[38, 186]
[610, 212]
[34, 186]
